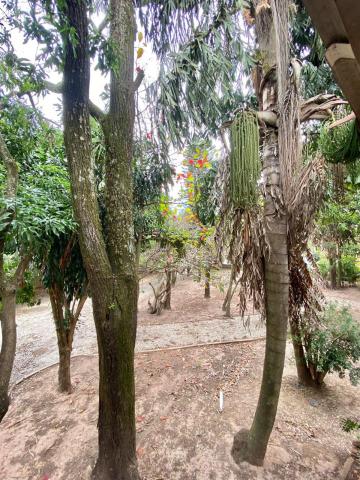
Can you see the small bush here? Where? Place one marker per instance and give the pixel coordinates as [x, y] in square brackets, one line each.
[335, 345]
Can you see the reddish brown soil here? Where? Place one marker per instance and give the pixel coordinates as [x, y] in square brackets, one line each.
[181, 433]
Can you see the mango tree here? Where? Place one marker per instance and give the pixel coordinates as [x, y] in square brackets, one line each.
[31, 214]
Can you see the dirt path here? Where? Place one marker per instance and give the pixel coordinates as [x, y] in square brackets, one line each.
[193, 320]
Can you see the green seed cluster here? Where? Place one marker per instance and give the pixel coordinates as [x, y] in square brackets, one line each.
[244, 159]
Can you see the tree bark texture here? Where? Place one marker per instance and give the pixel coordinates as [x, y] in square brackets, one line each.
[109, 259]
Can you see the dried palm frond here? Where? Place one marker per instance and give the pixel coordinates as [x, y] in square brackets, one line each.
[288, 103]
[305, 296]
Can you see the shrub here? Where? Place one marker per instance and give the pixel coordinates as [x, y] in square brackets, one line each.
[335, 345]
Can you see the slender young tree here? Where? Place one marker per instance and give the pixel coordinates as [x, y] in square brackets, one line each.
[65, 279]
[33, 208]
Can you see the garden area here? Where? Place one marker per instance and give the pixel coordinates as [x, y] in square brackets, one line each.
[179, 243]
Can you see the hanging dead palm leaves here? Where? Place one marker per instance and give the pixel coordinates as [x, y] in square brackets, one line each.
[244, 159]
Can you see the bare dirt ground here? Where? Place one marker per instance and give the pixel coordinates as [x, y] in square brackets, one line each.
[181, 435]
[180, 432]
[192, 320]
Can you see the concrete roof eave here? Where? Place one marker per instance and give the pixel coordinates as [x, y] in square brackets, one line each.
[338, 24]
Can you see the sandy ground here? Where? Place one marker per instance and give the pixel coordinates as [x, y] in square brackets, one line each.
[181, 434]
[192, 320]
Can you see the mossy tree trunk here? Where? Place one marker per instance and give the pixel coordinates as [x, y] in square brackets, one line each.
[109, 258]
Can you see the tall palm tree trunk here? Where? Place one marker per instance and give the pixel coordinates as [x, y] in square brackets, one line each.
[251, 445]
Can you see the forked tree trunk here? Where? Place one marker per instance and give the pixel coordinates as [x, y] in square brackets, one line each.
[251, 445]
[65, 324]
[109, 259]
[8, 346]
[207, 282]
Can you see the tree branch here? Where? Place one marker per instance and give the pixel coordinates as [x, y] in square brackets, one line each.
[139, 78]
[95, 111]
[21, 268]
[316, 108]
[343, 120]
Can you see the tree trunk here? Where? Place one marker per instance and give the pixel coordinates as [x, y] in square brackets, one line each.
[318, 377]
[8, 286]
[116, 424]
[226, 306]
[251, 445]
[109, 259]
[65, 328]
[303, 371]
[8, 346]
[173, 277]
[333, 271]
[339, 267]
[167, 301]
[64, 375]
[207, 282]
